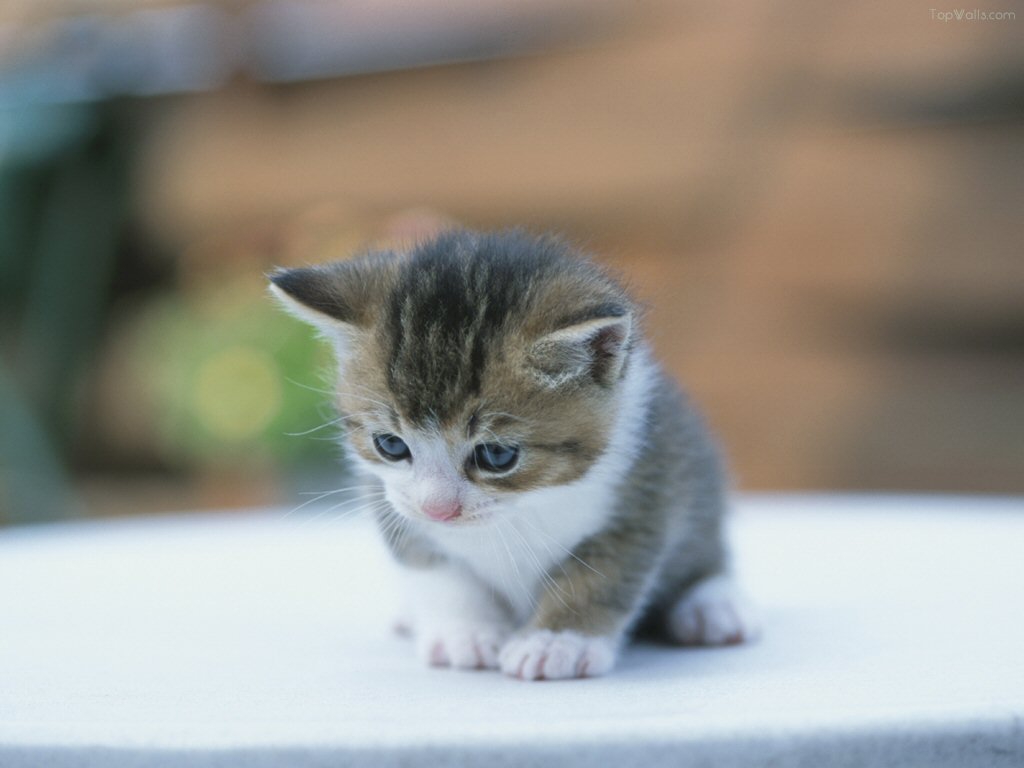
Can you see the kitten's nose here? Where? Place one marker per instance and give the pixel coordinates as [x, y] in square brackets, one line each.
[442, 510]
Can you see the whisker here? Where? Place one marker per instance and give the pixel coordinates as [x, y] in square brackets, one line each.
[494, 437]
[403, 533]
[569, 552]
[362, 487]
[561, 567]
[324, 494]
[333, 507]
[366, 389]
[546, 579]
[374, 506]
[331, 423]
[308, 387]
[515, 567]
[392, 527]
[381, 403]
[496, 554]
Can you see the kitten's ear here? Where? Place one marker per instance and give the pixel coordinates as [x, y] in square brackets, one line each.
[333, 298]
[594, 348]
[313, 294]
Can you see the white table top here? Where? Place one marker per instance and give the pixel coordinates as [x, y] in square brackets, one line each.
[894, 635]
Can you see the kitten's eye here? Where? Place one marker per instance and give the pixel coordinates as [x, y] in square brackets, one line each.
[391, 447]
[495, 457]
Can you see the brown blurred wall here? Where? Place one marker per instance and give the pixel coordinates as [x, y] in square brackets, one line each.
[821, 204]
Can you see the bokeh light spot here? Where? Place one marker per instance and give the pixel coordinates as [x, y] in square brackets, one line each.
[237, 393]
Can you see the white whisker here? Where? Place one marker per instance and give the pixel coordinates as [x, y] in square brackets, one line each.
[559, 561]
[558, 544]
[515, 566]
[308, 387]
[331, 423]
[365, 501]
[323, 495]
[549, 583]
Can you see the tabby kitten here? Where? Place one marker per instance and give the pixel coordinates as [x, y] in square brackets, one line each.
[551, 488]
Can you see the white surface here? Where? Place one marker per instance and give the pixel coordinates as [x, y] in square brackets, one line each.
[894, 635]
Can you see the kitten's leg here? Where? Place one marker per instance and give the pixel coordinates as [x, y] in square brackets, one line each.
[457, 621]
[714, 611]
[582, 617]
[454, 618]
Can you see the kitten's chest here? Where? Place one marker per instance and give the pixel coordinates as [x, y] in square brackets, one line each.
[531, 538]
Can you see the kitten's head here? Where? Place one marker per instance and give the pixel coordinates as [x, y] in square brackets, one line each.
[471, 369]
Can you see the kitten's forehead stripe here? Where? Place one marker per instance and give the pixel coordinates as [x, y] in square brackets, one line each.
[457, 298]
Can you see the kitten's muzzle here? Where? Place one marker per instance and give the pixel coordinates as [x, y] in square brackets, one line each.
[443, 510]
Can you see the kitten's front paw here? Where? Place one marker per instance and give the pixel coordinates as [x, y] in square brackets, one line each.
[714, 612]
[546, 655]
[462, 646]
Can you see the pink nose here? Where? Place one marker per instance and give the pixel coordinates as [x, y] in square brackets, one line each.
[442, 510]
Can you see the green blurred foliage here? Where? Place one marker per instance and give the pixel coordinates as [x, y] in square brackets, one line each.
[228, 376]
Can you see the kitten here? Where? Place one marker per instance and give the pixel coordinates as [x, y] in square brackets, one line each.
[547, 487]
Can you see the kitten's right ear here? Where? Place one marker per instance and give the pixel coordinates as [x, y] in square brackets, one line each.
[315, 295]
[332, 298]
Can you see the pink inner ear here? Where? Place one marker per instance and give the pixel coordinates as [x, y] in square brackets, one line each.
[595, 347]
[608, 340]
[606, 349]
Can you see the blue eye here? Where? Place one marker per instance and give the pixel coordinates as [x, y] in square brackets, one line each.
[391, 447]
[495, 457]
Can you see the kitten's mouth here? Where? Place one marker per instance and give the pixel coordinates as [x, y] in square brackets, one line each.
[464, 519]
[458, 521]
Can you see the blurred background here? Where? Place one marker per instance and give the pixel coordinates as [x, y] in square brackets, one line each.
[822, 205]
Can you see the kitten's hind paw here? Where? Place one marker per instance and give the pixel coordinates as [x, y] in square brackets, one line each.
[713, 612]
[461, 646]
[546, 655]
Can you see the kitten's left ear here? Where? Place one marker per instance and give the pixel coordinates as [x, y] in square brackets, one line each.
[333, 298]
[594, 348]
[316, 294]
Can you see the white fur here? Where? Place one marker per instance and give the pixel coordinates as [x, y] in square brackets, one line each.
[455, 621]
[546, 655]
[714, 612]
